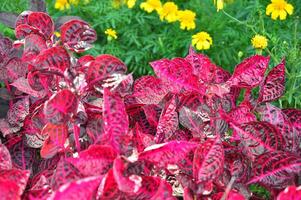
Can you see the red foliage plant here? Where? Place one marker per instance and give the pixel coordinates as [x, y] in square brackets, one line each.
[81, 128]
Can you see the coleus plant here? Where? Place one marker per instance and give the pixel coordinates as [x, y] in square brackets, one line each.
[82, 128]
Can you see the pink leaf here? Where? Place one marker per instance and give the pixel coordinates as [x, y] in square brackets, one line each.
[274, 84]
[19, 177]
[129, 183]
[178, 73]
[116, 122]
[80, 189]
[5, 159]
[15, 69]
[167, 153]
[290, 193]
[208, 160]
[18, 112]
[77, 35]
[250, 72]
[275, 116]
[259, 137]
[96, 160]
[149, 90]
[294, 116]
[33, 45]
[60, 106]
[22, 85]
[275, 169]
[168, 122]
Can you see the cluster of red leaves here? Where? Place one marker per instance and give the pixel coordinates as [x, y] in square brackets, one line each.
[81, 128]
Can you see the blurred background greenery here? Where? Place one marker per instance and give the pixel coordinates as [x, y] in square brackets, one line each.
[143, 37]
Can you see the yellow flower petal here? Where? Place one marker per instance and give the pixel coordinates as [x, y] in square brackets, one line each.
[269, 9]
[289, 9]
[275, 14]
[282, 14]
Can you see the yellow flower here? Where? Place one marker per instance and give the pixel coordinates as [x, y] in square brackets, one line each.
[259, 42]
[57, 34]
[151, 5]
[112, 34]
[279, 8]
[219, 4]
[187, 19]
[65, 4]
[130, 3]
[169, 11]
[202, 40]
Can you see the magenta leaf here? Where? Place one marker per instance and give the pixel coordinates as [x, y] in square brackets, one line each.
[275, 169]
[149, 90]
[208, 160]
[275, 116]
[259, 137]
[128, 183]
[64, 173]
[274, 84]
[77, 35]
[116, 122]
[19, 177]
[33, 45]
[96, 160]
[14, 69]
[167, 153]
[108, 188]
[178, 73]
[42, 22]
[22, 85]
[5, 159]
[80, 189]
[168, 122]
[53, 58]
[18, 112]
[60, 106]
[290, 193]
[250, 72]
[294, 116]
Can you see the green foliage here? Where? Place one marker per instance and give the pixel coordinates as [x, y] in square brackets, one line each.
[259, 191]
[143, 37]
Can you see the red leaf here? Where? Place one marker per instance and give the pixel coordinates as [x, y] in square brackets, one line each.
[43, 22]
[167, 153]
[5, 159]
[55, 57]
[290, 193]
[77, 35]
[168, 122]
[81, 189]
[149, 90]
[56, 140]
[208, 160]
[60, 106]
[108, 188]
[275, 169]
[250, 72]
[274, 84]
[96, 160]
